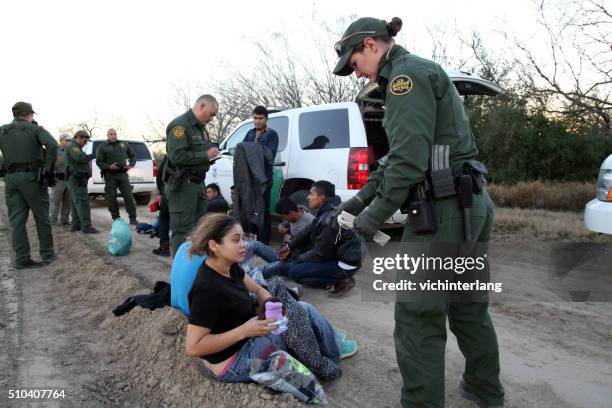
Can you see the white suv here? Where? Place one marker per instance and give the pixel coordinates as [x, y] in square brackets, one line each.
[598, 212]
[142, 176]
[338, 142]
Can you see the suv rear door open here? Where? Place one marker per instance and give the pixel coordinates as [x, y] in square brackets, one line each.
[371, 104]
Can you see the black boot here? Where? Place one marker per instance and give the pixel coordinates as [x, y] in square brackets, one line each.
[163, 250]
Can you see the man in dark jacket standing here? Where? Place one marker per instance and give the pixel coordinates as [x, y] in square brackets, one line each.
[334, 256]
[267, 137]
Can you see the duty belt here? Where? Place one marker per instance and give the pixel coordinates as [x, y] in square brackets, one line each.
[22, 167]
[443, 181]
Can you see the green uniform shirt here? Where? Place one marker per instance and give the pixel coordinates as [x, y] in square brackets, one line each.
[76, 159]
[422, 108]
[21, 142]
[186, 143]
[118, 152]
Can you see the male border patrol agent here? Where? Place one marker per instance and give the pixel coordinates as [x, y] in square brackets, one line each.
[185, 171]
[115, 158]
[79, 172]
[29, 173]
[431, 152]
[60, 195]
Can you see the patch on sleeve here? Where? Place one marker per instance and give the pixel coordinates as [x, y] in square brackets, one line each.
[76, 149]
[401, 85]
[178, 132]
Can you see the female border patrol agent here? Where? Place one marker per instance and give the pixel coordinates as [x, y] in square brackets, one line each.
[425, 123]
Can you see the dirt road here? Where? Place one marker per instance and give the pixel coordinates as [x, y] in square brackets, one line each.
[57, 331]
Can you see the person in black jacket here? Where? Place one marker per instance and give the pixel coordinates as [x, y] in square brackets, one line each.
[334, 255]
[216, 201]
[164, 213]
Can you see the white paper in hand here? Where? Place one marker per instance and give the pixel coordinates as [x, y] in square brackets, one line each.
[346, 219]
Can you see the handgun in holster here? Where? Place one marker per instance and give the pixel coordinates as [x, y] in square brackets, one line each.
[45, 178]
[174, 177]
[419, 207]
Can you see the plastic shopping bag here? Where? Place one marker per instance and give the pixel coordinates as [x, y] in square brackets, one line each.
[120, 238]
[282, 372]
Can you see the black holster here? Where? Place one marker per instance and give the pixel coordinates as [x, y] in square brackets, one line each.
[419, 207]
[174, 177]
[45, 178]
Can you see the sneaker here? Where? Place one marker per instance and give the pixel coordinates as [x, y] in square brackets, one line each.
[341, 336]
[349, 348]
[470, 395]
[90, 230]
[342, 287]
[49, 260]
[133, 221]
[29, 264]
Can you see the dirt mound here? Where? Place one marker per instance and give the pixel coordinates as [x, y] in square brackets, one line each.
[143, 352]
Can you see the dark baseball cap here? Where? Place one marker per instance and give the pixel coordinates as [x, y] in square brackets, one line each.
[354, 35]
[22, 108]
[82, 133]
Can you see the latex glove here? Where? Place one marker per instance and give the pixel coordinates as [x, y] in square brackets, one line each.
[353, 206]
[366, 226]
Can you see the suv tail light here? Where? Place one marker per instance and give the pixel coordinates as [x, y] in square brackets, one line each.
[154, 168]
[358, 169]
[604, 185]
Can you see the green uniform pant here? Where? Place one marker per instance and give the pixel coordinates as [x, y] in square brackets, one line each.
[186, 207]
[122, 182]
[81, 214]
[420, 324]
[22, 194]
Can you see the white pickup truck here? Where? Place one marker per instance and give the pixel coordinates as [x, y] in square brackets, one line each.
[338, 142]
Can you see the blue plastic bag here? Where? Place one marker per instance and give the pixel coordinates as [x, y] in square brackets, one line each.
[120, 238]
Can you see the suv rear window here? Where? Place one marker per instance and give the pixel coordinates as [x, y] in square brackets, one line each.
[328, 129]
[142, 153]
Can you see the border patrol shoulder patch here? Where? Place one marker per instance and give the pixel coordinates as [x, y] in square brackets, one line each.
[401, 85]
[178, 132]
[76, 149]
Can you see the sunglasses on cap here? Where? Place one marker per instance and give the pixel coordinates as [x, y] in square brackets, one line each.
[338, 45]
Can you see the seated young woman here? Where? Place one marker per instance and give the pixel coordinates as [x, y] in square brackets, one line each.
[223, 326]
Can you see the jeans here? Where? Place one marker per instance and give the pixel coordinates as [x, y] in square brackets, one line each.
[265, 252]
[319, 273]
[262, 346]
[268, 254]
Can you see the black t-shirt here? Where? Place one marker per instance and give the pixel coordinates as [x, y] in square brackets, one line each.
[220, 304]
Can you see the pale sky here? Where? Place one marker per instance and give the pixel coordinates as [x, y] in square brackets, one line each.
[74, 60]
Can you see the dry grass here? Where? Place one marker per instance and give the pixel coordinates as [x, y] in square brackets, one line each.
[544, 225]
[553, 196]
